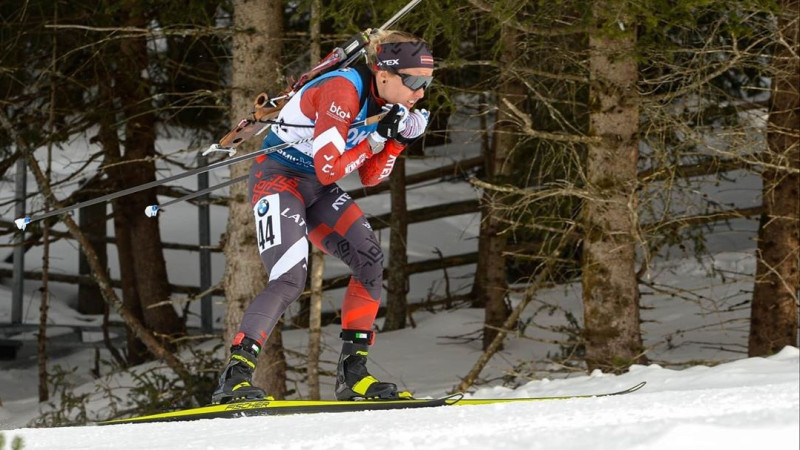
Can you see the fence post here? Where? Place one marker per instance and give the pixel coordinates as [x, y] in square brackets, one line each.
[18, 289]
[204, 230]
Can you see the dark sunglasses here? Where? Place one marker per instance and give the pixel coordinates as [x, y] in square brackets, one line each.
[414, 82]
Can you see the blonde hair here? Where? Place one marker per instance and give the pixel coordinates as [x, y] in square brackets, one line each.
[379, 37]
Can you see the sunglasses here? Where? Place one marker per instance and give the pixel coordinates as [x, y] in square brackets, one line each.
[414, 82]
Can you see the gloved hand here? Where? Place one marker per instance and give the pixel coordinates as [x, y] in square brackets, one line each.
[393, 122]
[414, 125]
[389, 127]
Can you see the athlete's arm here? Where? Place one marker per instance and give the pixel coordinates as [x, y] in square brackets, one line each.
[378, 168]
[333, 104]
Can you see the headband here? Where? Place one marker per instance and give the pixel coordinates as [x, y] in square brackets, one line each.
[404, 55]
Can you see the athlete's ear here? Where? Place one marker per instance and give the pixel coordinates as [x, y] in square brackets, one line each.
[382, 76]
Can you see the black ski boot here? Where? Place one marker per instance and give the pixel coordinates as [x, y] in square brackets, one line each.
[234, 381]
[353, 381]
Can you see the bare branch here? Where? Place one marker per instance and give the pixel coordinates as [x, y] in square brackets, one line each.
[527, 128]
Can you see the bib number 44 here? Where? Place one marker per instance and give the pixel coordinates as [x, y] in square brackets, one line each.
[268, 224]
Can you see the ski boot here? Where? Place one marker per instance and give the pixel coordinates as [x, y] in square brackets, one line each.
[353, 381]
[235, 380]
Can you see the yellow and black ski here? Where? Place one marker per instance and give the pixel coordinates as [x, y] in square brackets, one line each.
[488, 401]
[281, 407]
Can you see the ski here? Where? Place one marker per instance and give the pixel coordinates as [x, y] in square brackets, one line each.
[284, 407]
[489, 401]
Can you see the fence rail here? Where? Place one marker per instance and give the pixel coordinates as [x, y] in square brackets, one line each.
[456, 169]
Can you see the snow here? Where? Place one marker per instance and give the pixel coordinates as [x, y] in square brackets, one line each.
[743, 404]
[701, 391]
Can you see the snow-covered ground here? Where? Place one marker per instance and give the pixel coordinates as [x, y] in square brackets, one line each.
[750, 403]
[738, 404]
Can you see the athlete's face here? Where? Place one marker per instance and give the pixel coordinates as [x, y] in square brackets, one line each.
[406, 87]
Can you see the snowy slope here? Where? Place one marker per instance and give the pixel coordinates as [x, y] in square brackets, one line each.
[750, 403]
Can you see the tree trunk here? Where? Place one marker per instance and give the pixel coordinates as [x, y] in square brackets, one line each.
[774, 312]
[491, 284]
[153, 345]
[256, 66]
[315, 323]
[317, 256]
[44, 307]
[397, 280]
[41, 338]
[610, 289]
[478, 299]
[149, 266]
[92, 220]
[137, 352]
[109, 141]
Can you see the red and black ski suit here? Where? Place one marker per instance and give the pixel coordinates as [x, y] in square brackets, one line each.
[295, 198]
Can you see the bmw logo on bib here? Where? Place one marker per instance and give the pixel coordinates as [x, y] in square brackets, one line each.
[263, 206]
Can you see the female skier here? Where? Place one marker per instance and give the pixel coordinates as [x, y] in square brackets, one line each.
[295, 199]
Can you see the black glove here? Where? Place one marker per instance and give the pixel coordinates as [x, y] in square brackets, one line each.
[387, 127]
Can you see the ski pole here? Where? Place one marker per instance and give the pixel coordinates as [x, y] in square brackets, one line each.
[234, 137]
[152, 210]
[399, 14]
[23, 222]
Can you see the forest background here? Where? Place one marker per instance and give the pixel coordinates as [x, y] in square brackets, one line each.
[599, 121]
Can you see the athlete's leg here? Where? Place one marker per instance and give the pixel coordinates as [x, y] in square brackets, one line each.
[337, 226]
[278, 209]
[279, 212]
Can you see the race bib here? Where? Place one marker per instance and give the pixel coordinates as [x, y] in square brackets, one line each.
[268, 222]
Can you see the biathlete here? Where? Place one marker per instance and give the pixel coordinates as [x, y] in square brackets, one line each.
[295, 199]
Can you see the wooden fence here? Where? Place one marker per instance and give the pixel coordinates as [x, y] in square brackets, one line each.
[455, 170]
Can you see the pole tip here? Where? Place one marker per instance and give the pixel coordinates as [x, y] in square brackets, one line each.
[151, 211]
[23, 222]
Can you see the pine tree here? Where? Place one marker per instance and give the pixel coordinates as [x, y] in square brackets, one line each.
[257, 50]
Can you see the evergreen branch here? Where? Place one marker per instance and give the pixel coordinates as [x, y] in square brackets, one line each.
[565, 31]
